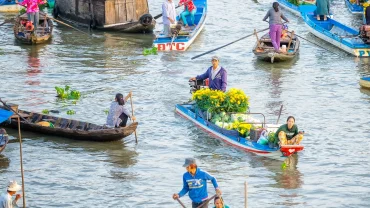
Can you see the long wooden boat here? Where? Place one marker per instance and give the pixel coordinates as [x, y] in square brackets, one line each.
[232, 137]
[9, 6]
[354, 8]
[181, 40]
[304, 6]
[26, 36]
[338, 34]
[264, 49]
[365, 82]
[4, 139]
[109, 15]
[70, 128]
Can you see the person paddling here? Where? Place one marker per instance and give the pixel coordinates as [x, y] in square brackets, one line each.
[195, 182]
[32, 11]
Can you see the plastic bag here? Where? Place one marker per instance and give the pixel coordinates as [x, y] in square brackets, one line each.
[263, 140]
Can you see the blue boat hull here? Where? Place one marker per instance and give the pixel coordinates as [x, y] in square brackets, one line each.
[9, 6]
[354, 8]
[340, 35]
[297, 9]
[230, 136]
[182, 42]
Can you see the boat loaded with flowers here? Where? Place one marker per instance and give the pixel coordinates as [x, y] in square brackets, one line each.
[225, 116]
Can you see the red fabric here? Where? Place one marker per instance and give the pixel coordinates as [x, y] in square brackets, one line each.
[188, 3]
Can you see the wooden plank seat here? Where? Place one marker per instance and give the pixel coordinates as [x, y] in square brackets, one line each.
[64, 123]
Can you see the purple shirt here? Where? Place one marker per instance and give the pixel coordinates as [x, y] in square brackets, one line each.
[219, 82]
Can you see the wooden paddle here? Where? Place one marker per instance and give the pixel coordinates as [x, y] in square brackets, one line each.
[206, 201]
[7, 21]
[197, 56]
[317, 45]
[71, 27]
[180, 203]
[132, 108]
[5, 105]
[290, 41]
[160, 15]
[281, 108]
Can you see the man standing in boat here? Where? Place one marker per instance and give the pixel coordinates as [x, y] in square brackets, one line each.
[216, 74]
[195, 182]
[169, 16]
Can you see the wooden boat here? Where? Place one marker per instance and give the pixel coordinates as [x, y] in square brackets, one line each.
[264, 49]
[183, 38]
[338, 34]
[117, 15]
[9, 6]
[23, 33]
[4, 139]
[233, 138]
[354, 8]
[70, 128]
[365, 82]
[304, 6]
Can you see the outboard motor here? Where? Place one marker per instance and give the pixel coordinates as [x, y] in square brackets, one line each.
[365, 33]
[197, 85]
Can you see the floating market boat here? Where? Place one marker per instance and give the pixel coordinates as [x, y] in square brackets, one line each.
[365, 82]
[264, 49]
[25, 33]
[9, 6]
[340, 35]
[69, 128]
[233, 138]
[304, 6]
[354, 8]
[118, 15]
[183, 37]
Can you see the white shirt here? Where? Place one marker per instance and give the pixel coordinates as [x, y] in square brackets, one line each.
[215, 71]
[6, 201]
[168, 10]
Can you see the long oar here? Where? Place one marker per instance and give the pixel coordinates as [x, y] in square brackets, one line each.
[70, 26]
[197, 56]
[132, 108]
[7, 21]
[281, 108]
[9, 108]
[160, 15]
[206, 201]
[180, 203]
[317, 45]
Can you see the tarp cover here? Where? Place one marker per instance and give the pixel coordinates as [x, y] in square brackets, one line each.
[4, 115]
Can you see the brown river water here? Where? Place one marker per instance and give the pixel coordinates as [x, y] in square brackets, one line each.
[319, 88]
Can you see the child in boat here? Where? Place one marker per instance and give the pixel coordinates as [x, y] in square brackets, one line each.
[118, 114]
[288, 134]
[190, 9]
[219, 203]
[32, 11]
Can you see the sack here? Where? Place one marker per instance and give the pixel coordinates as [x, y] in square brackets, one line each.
[263, 140]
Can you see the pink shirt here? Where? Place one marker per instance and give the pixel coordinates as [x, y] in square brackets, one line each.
[32, 5]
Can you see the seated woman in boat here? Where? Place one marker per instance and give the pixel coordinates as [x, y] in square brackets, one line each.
[322, 9]
[288, 134]
[216, 74]
[190, 9]
[275, 15]
[32, 11]
[219, 203]
[118, 114]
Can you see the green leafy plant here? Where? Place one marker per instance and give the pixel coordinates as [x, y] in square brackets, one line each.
[150, 51]
[65, 93]
[271, 137]
[71, 112]
[22, 11]
[106, 112]
[45, 111]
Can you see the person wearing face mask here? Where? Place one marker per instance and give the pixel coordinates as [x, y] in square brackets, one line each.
[195, 182]
[216, 74]
[288, 133]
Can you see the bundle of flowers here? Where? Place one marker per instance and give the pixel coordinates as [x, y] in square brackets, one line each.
[239, 122]
[233, 100]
